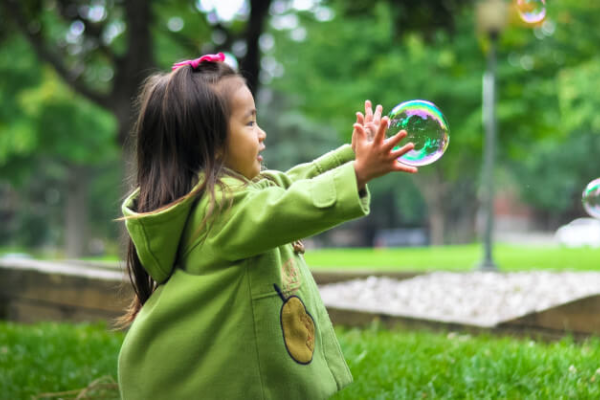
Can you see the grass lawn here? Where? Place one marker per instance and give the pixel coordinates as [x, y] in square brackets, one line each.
[449, 258]
[43, 358]
[456, 258]
[418, 365]
[50, 358]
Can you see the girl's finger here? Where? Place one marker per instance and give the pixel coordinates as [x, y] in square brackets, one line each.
[377, 115]
[392, 142]
[368, 111]
[398, 166]
[360, 119]
[402, 150]
[359, 130]
[381, 130]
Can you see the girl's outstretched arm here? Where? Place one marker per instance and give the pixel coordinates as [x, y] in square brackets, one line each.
[262, 216]
[326, 162]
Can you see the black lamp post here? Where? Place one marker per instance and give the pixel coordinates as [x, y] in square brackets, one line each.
[491, 20]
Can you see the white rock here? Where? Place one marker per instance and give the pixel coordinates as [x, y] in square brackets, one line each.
[475, 298]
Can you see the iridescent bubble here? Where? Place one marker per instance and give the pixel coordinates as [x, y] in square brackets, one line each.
[591, 198]
[532, 11]
[426, 127]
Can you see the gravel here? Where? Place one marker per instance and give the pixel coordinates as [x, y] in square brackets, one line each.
[474, 298]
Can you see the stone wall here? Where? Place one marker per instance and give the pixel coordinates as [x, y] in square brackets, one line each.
[32, 290]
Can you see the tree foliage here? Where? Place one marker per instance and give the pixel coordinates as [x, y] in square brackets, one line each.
[346, 60]
[102, 51]
[548, 107]
[546, 95]
[71, 103]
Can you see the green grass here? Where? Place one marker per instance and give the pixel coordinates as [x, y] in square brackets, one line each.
[416, 365]
[50, 357]
[456, 258]
[450, 258]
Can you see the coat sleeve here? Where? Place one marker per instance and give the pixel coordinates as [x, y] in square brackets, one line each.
[260, 219]
[326, 162]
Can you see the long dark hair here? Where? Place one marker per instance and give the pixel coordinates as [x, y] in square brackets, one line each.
[181, 128]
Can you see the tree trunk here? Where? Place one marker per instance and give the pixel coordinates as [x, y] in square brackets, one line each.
[452, 211]
[463, 225]
[462, 212]
[250, 68]
[76, 212]
[434, 189]
[451, 207]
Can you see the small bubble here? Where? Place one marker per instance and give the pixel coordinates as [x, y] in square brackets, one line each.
[591, 198]
[532, 11]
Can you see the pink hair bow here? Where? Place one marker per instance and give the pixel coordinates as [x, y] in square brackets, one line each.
[219, 57]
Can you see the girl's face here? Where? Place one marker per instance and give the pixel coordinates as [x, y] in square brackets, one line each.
[245, 138]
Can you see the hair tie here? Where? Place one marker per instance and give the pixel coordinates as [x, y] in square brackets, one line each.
[219, 57]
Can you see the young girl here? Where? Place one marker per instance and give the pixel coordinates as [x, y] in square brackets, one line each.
[225, 305]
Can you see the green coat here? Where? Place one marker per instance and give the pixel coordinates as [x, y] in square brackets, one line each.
[237, 314]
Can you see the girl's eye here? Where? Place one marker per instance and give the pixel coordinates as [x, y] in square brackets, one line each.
[251, 123]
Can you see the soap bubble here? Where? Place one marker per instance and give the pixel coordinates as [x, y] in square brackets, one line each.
[426, 127]
[591, 198]
[532, 11]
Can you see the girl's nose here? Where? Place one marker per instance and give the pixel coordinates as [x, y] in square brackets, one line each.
[262, 135]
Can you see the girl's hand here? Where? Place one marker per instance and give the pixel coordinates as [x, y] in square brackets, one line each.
[368, 118]
[376, 157]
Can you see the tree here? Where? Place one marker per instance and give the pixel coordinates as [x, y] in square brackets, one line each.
[50, 140]
[548, 112]
[355, 58]
[104, 50]
[361, 54]
[120, 38]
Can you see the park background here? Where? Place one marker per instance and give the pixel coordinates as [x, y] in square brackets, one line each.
[69, 71]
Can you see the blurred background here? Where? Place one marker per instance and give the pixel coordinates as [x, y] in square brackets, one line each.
[69, 71]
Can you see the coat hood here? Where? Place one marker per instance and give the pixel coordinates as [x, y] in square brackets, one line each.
[156, 236]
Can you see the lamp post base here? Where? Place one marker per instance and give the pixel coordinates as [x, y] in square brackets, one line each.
[487, 266]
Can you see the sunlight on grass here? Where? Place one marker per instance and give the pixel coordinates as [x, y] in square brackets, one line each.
[448, 258]
[458, 258]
